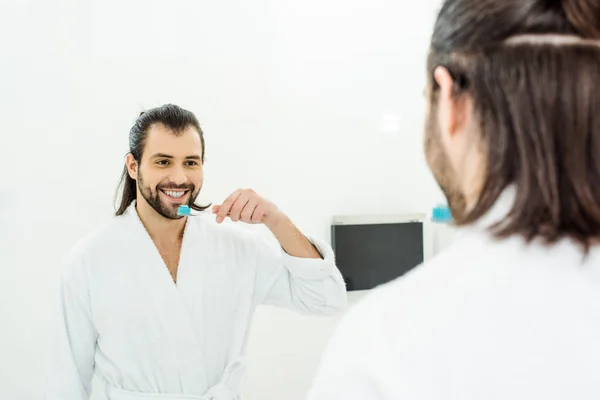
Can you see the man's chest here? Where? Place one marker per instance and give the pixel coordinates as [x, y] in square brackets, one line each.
[170, 254]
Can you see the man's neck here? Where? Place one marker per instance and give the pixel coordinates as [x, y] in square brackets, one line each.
[159, 228]
[473, 179]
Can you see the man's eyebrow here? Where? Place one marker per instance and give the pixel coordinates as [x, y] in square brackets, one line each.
[163, 155]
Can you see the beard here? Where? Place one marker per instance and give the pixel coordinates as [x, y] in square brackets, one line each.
[165, 209]
[441, 168]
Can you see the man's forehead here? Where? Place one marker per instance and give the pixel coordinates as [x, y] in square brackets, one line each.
[165, 141]
[160, 129]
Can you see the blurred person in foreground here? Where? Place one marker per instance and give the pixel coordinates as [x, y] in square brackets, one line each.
[512, 309]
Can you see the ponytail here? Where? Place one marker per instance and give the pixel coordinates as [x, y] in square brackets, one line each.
[129, 191]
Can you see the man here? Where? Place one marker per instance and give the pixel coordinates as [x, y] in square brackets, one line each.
[159, 306]
[512, 309]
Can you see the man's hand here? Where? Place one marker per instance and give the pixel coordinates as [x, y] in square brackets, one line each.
[247, 206]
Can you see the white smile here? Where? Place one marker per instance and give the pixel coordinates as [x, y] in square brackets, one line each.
[176, 194]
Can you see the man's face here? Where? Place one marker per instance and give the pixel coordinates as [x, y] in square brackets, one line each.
[170, 173]
[440, 153]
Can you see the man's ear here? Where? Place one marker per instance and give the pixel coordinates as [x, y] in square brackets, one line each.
[132, 166]
[450, 109]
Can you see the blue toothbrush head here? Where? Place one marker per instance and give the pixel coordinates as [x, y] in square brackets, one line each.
[184, 211]
[441, 213]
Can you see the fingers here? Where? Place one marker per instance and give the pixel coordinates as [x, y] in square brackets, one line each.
[238, 206]
[225, 208]
[242, 205]
[248, 211]
[258, 214]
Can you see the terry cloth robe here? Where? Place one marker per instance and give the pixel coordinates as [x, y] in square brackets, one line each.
[487, 319]
[122, 317]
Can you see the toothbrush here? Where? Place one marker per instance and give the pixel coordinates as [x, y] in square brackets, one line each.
[186, 211]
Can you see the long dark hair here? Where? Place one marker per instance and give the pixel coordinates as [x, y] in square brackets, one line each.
[177, 120]
[538, 107]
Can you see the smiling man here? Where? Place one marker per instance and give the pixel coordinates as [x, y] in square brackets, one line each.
[159, 306]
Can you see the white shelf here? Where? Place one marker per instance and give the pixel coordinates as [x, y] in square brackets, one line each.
[377, 219]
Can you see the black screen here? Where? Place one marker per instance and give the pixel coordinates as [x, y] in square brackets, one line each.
[370, 255]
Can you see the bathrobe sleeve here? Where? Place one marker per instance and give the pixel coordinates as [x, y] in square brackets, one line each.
[71, 366]
[309, 286]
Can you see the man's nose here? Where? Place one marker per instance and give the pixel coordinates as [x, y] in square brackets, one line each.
[178, 176]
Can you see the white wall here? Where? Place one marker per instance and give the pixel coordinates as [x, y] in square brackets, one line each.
[317, 104]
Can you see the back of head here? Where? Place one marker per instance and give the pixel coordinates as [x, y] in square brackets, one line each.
[531, 68]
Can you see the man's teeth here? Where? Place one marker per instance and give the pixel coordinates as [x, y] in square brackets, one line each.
[174, 194]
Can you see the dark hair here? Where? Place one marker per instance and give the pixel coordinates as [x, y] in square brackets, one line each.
[538, 107]
[173, 117]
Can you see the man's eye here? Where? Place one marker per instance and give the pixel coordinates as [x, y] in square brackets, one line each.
[163, 162]
[191, 163]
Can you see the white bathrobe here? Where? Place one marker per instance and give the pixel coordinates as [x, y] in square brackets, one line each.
[487, 319]
[122, 316]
